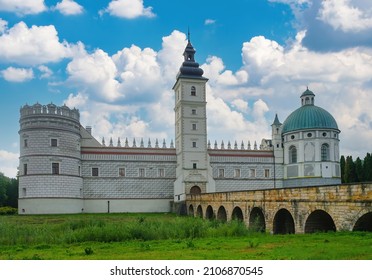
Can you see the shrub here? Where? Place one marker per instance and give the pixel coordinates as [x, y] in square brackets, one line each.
[6, 210]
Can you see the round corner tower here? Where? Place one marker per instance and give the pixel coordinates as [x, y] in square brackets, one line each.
[50, 160]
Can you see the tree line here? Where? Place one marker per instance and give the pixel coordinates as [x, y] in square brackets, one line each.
[358, 170]
[8, 191]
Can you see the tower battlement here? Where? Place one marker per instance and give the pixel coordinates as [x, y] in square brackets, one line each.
[50, 109]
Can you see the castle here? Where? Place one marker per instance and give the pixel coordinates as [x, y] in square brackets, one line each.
[64, 169]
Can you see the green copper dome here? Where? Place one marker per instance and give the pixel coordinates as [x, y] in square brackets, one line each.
[309, 116]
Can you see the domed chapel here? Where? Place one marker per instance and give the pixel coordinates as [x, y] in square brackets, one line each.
[64, 169]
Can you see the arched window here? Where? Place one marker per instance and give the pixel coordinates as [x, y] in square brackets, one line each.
[292, 154]
[325, 152]
[195, 190]
[193, 91]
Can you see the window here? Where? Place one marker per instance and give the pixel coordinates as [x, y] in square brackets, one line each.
[193, 111]
[25, 143]
[292, 154]
[24, 192]
[221, 173]
[193, 91]
[267, 173]
[309, 135]
[55, 168]
[141, 172]
[253, 173]
[122, 172]
[25, 169]
[53, 142]
[194, 126]
[194, 144]
[325, 152]
[161, 172]
[79, 170]
[194, 166]
[95, 172]
[237, 173]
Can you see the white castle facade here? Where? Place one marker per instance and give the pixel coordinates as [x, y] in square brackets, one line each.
[64, 169]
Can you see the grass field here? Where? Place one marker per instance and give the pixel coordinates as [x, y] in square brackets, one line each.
[164, 236]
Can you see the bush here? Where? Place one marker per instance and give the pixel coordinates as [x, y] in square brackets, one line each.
[8, 210]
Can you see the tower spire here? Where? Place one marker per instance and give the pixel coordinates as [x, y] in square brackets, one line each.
[188, 34]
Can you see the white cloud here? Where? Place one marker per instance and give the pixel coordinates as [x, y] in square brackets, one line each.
[345, 15]
[45, 71]
[23, 7]
[32, 46]
[9, 163]
[76, 101]
[209, 21]
[17, 75]
[95, 72]
[3, 25]
[129, 9]
[214, 69]
[240, 104]
[69, 7]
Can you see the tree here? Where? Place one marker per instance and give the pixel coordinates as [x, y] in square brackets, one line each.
[342, 166]
[367, 167]
[3, 186]
[359, 171]
[350, 173]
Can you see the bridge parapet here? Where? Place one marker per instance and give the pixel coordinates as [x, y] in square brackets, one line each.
[338, 207]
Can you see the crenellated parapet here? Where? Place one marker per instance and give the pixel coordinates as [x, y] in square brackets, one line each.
[134, 143]
[50, 109]
[265, 145]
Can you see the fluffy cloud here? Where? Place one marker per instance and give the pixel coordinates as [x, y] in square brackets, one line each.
[32, 46]
[17, 75]
[9, 163]
[45, 71]
[129, 9]
[69, 7]
[95, 72]
[23, 7]
[344, 15]
[3, 25]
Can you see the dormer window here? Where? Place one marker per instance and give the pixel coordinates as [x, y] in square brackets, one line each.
[193, 91]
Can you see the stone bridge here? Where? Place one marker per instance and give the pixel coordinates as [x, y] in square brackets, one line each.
[290, 210]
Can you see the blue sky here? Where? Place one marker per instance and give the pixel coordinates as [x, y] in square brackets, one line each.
[116, 61]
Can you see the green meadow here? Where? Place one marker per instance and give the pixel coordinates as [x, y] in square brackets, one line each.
[163, 237]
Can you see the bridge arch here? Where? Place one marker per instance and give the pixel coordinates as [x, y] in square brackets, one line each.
[257, 220]
[221, 214]
[199, 211]
[364, 223]
[319, 220]
[191, 210]
[283, 222]
[237, 214]
[209, 213]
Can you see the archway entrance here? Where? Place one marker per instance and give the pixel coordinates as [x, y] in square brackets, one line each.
[283, 222]
[319, 220]
[257, 220]
[199, 212]
[364, 223]
[191, 210]
[237, 214]
[221, 214]
[209, 213]
[195, 190]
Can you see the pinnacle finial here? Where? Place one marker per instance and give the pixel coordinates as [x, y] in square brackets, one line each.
[188, 34]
